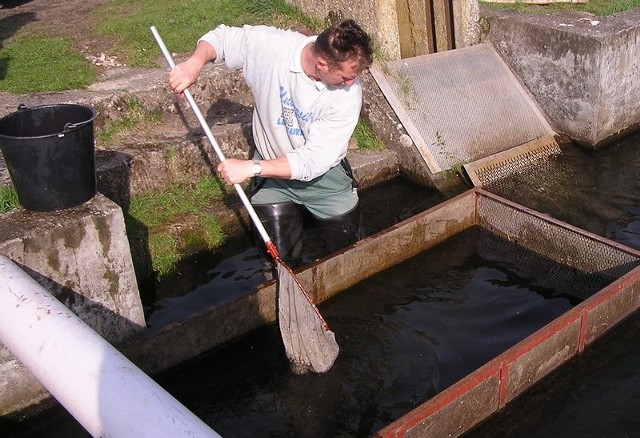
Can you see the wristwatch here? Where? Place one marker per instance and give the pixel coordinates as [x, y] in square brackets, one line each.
[256, 169]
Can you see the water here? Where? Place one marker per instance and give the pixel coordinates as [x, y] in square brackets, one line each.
[594, 395]
[598, 393]
[405, 334]
[236, 271]
[241, 269]
[595, 191]
[403, 341]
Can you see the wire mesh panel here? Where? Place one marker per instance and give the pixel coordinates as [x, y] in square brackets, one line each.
[486, 171]
[460, 105]
[597, 275]
[554, 240]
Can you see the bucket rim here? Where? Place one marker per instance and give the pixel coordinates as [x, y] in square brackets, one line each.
[23, 108]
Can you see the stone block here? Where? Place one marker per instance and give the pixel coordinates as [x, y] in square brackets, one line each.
[81, 255]
[582, 70]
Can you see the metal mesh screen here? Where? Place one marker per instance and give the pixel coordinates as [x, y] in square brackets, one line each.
[503, 164]
[553, 240]
[553, 278]
[460, 105]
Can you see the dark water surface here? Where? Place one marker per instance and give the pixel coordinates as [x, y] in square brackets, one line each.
[240, 269]
[598, 393]
[413, 330]
[405, 334]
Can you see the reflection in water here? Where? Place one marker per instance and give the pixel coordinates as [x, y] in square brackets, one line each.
[597, 394]
[405, 334]
[594, 395]
[627, 229]
[410, 332]
[230, 279]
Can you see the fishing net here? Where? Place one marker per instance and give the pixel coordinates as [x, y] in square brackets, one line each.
[308, 342]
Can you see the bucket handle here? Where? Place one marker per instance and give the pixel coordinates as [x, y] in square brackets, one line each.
[69, 126]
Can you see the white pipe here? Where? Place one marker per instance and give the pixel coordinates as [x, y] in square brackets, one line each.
[106, 393]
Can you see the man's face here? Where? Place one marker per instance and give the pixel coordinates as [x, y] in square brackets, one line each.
[344, 74]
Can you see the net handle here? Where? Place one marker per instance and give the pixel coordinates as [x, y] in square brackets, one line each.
[271, 248]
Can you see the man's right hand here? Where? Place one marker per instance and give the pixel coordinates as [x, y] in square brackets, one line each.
[185, 74]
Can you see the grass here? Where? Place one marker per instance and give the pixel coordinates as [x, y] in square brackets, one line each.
[151, 213]
[8, 199]
[32, 63]
[454, 162]
[134, 114]
[601, 8]
[366, 138]
[181, 23]
[38, 64]
[157, 207]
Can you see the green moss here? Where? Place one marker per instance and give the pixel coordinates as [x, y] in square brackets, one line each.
[366, 138]
[103, 230]
[114, 283]
[150, 215]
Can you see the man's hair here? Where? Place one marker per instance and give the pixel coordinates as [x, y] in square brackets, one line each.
[345, 41]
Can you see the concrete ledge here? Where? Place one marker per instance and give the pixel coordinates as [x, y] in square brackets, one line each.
[81, 255]
[584, 71]
[108, 95]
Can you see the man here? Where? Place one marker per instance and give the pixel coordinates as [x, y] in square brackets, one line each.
[307, 103]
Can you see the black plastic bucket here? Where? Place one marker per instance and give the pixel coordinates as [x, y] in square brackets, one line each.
[50, 155]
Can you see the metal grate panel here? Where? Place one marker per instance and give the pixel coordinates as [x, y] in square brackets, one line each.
[555, 240]
[460, 105]
[503, 164]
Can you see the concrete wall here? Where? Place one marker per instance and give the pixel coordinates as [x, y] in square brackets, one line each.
[377, 17]
[399, 25]
[583, 71]
[584, 76]
[81, 255]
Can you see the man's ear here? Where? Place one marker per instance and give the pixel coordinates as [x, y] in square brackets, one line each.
[322, 63]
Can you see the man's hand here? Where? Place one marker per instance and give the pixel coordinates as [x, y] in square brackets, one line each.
[185, 74]
[235, 171]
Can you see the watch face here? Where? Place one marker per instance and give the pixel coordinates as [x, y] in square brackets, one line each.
[257, 168]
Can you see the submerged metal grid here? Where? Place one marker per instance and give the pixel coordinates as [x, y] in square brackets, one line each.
[555, 240]
[460, 105]
[503, 164]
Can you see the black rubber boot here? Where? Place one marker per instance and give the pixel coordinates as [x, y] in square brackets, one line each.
[343, 230]
[283, 223]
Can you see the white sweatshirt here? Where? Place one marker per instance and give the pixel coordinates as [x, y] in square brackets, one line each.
[294, 115]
